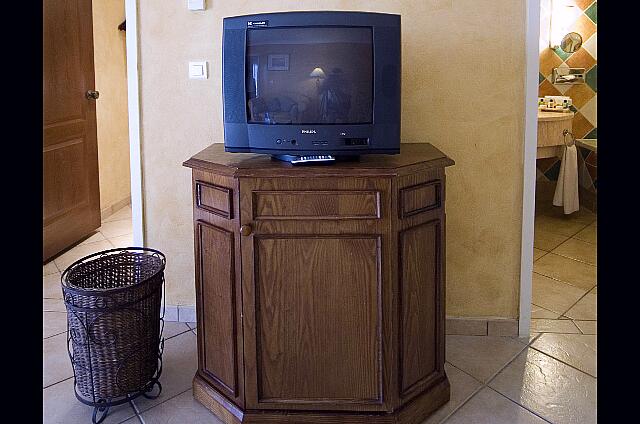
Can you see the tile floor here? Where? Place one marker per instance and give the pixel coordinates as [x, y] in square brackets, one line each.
[549, 377]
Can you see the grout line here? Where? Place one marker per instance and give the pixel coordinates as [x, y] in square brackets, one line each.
[53, 335]
[565, 282]
[57, 382]
[521, 406]
[576, 302]
[561, 361]
[159, 403]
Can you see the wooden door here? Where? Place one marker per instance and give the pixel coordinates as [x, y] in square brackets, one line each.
[315, 290]
[71, 197]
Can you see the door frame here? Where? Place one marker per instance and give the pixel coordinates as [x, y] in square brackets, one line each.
[532, 37]
[133, 99]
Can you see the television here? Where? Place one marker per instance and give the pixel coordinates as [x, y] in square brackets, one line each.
[316, 85]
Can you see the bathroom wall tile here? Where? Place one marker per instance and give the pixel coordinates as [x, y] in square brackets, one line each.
[592, 12]
[592, 78]
[562, 54]
[585, 27]
[540, 78]
[580, 94]
[591, 45]
[576, 273]
[553, 172]
[581, 126]
[548, 61]
[592, 159]
[578, 250]
[547, 89]
[577, 350]
[553, 295]
[590, 110]
[583, 4]
[545, 163]
[581, 59]
[593, 172]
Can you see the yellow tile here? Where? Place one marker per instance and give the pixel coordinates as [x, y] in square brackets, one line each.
[547, 89]
[580, 94]
[564, 326]
[538, 253]
[576, 273]
[581, 126]
[578, 250]
[585, 27]
[548, 60]
[547, 241]
[581, 59]
[589, 234]
[563, 225]
[585, 309]
[552, 295]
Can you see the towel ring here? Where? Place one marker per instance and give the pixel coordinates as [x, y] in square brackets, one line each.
[564, 139]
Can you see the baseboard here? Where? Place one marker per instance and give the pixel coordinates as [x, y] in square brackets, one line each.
[481, 326]
[110, 210]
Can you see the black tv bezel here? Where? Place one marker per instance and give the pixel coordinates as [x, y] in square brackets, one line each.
[384, 131]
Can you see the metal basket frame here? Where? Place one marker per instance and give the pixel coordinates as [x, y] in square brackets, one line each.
[87, 317]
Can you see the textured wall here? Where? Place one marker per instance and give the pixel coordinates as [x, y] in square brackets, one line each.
[111, 109]
[462, 90]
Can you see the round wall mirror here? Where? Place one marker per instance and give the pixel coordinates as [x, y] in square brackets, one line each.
[571, 42]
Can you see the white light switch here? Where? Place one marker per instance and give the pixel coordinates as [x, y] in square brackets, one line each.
[198, 70]
[196, 4]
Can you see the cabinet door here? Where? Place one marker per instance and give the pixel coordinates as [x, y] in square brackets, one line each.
[314, 291]
[218, 296]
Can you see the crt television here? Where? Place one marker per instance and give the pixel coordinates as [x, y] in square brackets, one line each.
[312, 83]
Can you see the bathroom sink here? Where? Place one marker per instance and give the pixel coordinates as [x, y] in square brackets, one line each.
[550, 128]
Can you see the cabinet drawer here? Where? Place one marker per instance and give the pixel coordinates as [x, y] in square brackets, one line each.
[420, 198]
[316, 204]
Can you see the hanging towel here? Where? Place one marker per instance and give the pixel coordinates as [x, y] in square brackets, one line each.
[567, 187]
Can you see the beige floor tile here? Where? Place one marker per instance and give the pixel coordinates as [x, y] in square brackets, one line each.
[573, 272]
[585, 309]
[564, 226]
[53, 323]
[122, 241]
[490, 407]
[462, 386]
[56, 365]
[538, 253]
[578, 250]
[547, 241]
[49, 268]
[554, 295]
[179, 365]
[98, 236]
[481, 356]
[594, 290]
[51, 286]
[80, 251]
[587, 327]
[589, 234]
[123, 213]
[173, 328]
[554, 326]
[577, 350]
[551, 389]
[60, 406]
[180, 409]
[582, 216]
[116, 228]
[53, 305]
[540, 312]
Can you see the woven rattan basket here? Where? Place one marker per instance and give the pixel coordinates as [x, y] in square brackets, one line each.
[113, 300]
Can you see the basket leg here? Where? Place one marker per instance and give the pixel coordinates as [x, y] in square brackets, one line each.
[149, 389]
[103, 409]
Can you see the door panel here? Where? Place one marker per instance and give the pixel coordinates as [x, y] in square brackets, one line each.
[71, 198]
[317, 332]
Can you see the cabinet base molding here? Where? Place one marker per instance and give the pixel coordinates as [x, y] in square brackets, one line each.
[413, 412]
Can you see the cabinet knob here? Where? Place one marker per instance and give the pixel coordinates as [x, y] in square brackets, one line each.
[245, 230]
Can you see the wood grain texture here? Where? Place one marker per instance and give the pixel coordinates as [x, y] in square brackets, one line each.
[342, 319]
[324, 307]
[316, 204]
[215, 199]
[215, 248]
[71, 196]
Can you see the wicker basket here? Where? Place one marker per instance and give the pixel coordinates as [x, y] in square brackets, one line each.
[113, 300]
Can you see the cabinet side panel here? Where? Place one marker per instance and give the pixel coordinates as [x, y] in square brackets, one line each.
[217, 285]
[419, 276]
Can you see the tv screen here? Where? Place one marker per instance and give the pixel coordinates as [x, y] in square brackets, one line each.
[309, 75]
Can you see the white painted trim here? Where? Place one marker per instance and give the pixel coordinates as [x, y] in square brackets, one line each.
[532, 36]
[135, 154]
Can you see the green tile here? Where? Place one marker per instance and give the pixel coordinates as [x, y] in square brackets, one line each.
[592, 12]
[540, 78]
[592, 78]
[563, 55]
[593, 134]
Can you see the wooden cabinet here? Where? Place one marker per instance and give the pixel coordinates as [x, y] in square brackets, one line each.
[320, 289]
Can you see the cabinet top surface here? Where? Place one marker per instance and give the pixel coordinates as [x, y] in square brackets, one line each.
[422, 155]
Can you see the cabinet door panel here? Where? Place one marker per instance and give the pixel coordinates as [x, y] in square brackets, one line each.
[317, 318]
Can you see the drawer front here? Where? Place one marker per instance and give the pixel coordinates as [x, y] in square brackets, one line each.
[215, 199]
[316, 204]
[420, 198]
